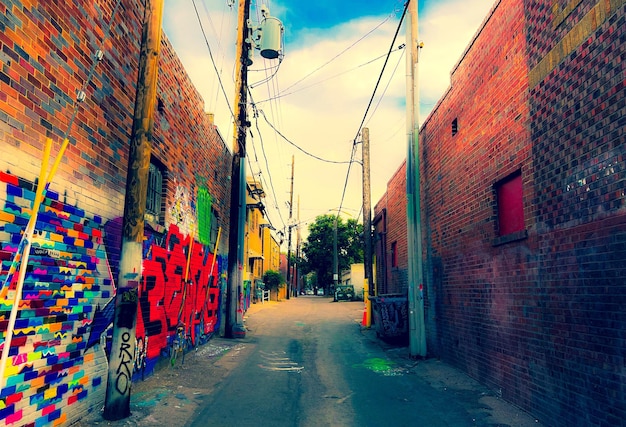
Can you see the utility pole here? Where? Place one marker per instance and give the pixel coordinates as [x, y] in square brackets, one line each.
[238, 175]
[335, 255]
[417, 330]
[367, 227]
[117, 400]
[289, 238]
[298, 241]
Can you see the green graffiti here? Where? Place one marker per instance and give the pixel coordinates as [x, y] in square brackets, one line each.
[203, 210]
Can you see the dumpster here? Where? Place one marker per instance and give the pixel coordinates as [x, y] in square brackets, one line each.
[391, 318]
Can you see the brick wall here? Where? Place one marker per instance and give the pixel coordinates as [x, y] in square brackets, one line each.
[476, 288]
[537, 314]
[57, 366]
[578, 121]
[392, 233]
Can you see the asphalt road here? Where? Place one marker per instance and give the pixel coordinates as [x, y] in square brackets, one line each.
[309, 363]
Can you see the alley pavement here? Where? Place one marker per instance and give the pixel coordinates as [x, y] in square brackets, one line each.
[172, 395]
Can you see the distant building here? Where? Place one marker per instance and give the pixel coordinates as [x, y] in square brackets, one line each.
[261, 249]
[354, 276]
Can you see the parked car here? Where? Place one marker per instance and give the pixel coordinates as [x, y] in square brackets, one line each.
[344, 293]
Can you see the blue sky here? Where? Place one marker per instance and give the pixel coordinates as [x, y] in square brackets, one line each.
[316, 97]
[327, 13]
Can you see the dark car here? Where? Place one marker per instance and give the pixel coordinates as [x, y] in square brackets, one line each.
[344, 293]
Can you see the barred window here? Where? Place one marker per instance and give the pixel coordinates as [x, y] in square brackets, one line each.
[155, 193]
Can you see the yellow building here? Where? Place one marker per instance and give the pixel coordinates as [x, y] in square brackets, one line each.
[261, 249]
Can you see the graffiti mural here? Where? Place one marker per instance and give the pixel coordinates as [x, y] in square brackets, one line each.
[52, 370]
[182, 211]
[166, 299]
[58, 355]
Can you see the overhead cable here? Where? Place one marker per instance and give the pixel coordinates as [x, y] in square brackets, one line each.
[395, 36]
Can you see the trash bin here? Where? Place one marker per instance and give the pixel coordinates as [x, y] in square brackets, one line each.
[391, 318]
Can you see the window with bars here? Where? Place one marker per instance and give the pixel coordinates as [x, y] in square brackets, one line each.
[154, 197]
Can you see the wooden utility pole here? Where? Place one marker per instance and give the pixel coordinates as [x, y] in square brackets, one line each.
[417, 330]
[367, 227]
[289, 238]
[238, 176]
[117, 401]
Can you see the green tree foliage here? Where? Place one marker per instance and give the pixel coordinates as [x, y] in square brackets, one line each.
[273, 279]
[317, 250]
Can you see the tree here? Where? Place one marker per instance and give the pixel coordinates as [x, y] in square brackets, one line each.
[273, 279]
[317, 250]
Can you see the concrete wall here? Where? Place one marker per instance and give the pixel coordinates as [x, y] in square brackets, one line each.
[57, 366]
[536, 314]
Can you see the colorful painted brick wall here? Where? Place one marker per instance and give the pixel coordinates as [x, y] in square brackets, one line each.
[57, 367]
[55, 363]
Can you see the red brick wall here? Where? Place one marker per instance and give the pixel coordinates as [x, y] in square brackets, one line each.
[395, 231]
[578, 120]
[538, 315]
[475, 288]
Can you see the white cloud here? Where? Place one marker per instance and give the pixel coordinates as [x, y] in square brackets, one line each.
[322, 112]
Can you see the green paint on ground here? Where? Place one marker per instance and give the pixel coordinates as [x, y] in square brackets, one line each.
[381, 366]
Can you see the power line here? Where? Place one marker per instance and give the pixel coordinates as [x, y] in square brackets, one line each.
[283, 94]
[267, 164]
[219, 78]
[345, 186]
[387, 86]
[339, 54]
[298, 147]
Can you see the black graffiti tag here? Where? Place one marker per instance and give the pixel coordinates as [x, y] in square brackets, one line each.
[124, 370]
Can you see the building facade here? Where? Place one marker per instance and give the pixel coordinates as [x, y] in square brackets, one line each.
[57, 360]
[523, 181]
[260, 246]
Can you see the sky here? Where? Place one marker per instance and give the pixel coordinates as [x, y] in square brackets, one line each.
[311, 103]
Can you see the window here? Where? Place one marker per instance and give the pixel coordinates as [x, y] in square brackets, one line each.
[215, 227]
[510, 205]
[455, 127]
[394, 254]
[154, 197]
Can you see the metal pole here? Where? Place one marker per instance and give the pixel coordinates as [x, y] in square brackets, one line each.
[289, 239]
[335, 260]
[367, 227]
[417, 332]
[117, 401]
[298, 242]
[238, 178]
